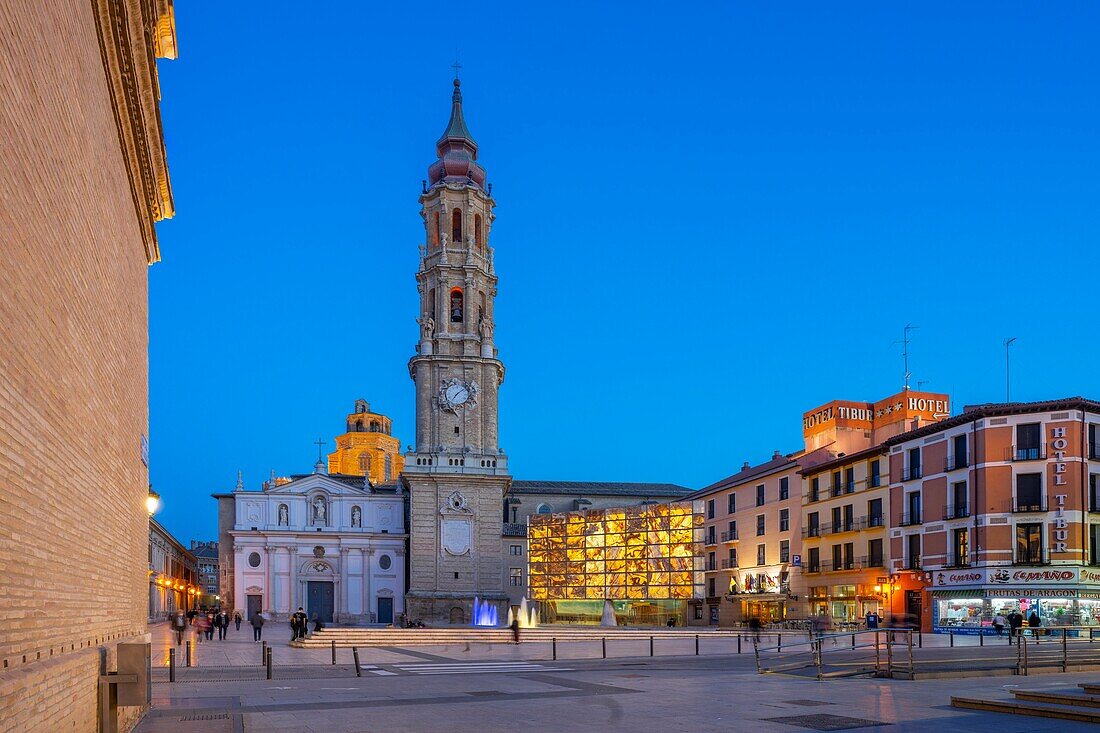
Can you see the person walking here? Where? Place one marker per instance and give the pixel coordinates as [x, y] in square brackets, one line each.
[293, 626]
[999, 623]
[303, 623]
[754, 629]
[257, 622]
[1034, 622]
[179, 625]
[222, 622]
[237, 619]
[209, 627]
[1015, 624]
[515, 630]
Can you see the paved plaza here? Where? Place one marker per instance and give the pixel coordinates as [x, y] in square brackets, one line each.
[504, 687]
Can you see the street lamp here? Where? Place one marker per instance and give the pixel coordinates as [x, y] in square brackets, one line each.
[152, 502]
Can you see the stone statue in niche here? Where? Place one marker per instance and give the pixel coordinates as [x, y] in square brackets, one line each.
[356, 517]
[427, 327]
[485, 327]
[319, 510]
[284, 518]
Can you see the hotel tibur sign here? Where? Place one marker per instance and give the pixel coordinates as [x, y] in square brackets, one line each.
[927, 406]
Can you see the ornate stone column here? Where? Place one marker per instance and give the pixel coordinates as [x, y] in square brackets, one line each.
[269, 590]
[342, 609]
[399, 567]
[292, 550]
[368, 572]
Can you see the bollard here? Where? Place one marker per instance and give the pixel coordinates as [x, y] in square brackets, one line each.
[738, 643]
[269, 663]
[554, 647]
[853, 641]
[696, 645]
[355, 656]
[263, 654]
[171, 665]
[651, 646]
[334, 651]
[779, 642]
[951, 633]
[1065, 661]
[603, 643]
[920, 639]
[189, 643]
[981, 638]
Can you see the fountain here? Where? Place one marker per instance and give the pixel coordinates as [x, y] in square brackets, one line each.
[485, 613]
[528, 617]
[608, 618]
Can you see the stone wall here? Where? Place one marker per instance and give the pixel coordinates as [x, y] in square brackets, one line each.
[75, 223]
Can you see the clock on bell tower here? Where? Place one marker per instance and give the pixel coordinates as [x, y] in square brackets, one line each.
[456, 473]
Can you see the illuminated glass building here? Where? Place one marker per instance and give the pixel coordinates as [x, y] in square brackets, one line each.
[646, 560]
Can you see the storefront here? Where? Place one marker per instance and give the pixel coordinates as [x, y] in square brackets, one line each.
[762, 593]
[965, 601]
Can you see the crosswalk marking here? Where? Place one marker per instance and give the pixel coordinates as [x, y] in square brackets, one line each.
[382, 672]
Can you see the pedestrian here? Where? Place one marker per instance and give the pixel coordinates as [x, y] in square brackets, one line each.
[754, 629]
[293, 626]
[318, 625]
[999, 622]
[209, 627]
[301, 626]
[191, 617]
[515, 630]
[671, 623]
[179, 625]
[257, 622]
[237, 619]
[1034, 622]
[1015, 624]
[222, 622]
[199, 624]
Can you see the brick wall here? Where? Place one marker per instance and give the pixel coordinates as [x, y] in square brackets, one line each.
[73, 372]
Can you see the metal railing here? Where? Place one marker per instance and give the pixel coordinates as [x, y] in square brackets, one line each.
[953, 463]
[956, 512]
[910, 518]
[1026, 504]
[729, 563]
[911, 474]
[1094, 451]
[880, 652]
[812, 531]
[514, 529]
[1025, 453]
[729, 536]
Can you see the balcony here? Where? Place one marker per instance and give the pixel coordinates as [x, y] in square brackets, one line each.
[1024, 504]
[729, 536]
[711, 565]
[710, 539]
[954, 463]
[852, 525]
[956, 512]
[1028, 453]
[1094, 451]
[875, 481]
[908, 519]
[814, 531]
[913, 563]
[845, 488]
[875, 521]
[875, 561]
[813, 568]
[1031, 558]
[957, 563]
[729, 564]
[514, 529]
[852, 563]
[911, 474]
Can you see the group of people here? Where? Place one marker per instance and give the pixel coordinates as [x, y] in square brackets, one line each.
[1015, 622]
[299, 624]
[204, 623]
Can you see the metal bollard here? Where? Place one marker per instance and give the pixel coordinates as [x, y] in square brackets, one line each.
[651, 646]
[603, 642]
[263, 654]
[1065, 660]
[696, 645]
[738, 643]
[951, 633]
[779, 642]
[355, 656]
[171, 665]
[189, 643]
[920, 639]
[334, 651]
[554, 647]
[269, 663]
[853, 641]
[981, 638]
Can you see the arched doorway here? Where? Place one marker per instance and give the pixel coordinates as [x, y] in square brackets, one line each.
[457, 616]
[319, 592]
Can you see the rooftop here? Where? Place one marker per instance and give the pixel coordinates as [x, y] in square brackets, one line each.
[598, 488]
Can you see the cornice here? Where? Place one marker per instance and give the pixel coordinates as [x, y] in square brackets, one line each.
[132, 34]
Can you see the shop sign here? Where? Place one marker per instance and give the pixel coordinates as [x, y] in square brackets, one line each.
[1088, 575]
[1007, 576]
[1015, 577]
[973, 577]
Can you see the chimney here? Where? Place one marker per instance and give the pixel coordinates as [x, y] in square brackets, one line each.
[745, 466]
[776, 456]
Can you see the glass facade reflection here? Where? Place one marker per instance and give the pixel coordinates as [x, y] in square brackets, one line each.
[651, 554]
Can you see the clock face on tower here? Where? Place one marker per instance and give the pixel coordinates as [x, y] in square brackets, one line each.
[456, 394]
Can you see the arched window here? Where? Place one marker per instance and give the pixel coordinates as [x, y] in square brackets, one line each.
[431, 303]
[389, 466]
[375, 427]
[544, 509]
[456, 305]
[435, 231]
[456, 226]
[358, 426]
[364, 462]
[477, 230]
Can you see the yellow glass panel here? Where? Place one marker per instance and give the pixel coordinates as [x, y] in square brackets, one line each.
[635, 591]
[616, 566]
[616, 579]
[658, 578]
[615, 553]
[594, 553]
[592, 592]
[615, 526]
[658, 591]
[594, 540]
[636, 566]
[616, 591]
[614, 539]
[596, 580]
[594, 566]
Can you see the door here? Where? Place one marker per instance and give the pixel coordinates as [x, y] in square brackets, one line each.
[255, 605]
[385, 610]
[912, 608]
[319, 600]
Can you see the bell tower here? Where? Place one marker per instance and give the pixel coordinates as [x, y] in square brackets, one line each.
[456, 474]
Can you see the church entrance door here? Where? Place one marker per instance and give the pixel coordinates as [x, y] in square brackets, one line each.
[385, 610]
[319, 597]
[255, 605]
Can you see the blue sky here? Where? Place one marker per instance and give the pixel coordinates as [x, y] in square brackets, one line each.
[709, 220]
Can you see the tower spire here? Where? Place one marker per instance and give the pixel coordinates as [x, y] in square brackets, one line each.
[456, 148]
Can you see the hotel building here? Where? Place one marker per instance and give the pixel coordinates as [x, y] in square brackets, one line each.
[996, 508]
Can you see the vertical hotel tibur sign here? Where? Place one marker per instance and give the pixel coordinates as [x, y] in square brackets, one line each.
[1060, 526]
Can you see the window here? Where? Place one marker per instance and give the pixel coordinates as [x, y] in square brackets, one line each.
[731, 560]
[1029, 492]
[456, 226]
[759, 525]
[813, 560]
[849, 518]
[813, 525]
[874, 513]
[477, 231]
[959, 501]
[849, 555]
[784, 550]
[385, 562]
[960, 546]
[836, 483]
[710, 588]
[1094, 544]
[874, 553]
[710, 535]
[515, 576]
[698, 612]
[838, 562]
[389, 466]
[761, 554]
[960, 459]
[515, 550]
[1029, 543]
[913, 547]
[254, 560]
[784, 520]
[837, 527]
[784, 488]
[913, 513]
[731, 534]
[760, 495]
[710, 508]
[876, 473]
[914, 464]
[431, 303]
[849, 480]
[1028, 446]
[731, 503]
[544, 509]
[815, 489]
[1094, 497]
[364, 463]
[436, 230]
[456, 305]
[1094, 444]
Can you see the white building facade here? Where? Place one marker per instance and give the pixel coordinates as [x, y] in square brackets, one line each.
[331, 544]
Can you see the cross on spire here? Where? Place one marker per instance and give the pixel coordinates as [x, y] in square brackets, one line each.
[456, 66]
[320, 443]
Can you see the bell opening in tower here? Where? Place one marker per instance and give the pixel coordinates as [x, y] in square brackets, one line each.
[456, 305]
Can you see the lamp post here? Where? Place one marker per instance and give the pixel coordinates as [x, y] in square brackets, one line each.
[152, 501]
